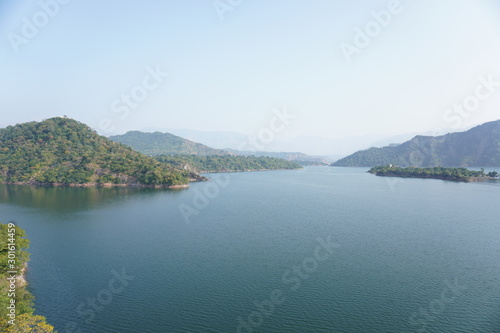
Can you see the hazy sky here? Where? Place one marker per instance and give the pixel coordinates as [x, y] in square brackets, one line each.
[231, 62]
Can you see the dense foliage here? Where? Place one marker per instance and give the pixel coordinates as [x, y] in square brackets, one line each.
[299, 158]
[454, 174]
[479, 146]
[158, 143]
[24, 321]
[62, 150]
[227, 163]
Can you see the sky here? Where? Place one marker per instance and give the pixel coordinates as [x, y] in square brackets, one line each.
[336, 69]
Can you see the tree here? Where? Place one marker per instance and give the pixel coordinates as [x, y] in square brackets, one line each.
[25, 321]
[28, 323]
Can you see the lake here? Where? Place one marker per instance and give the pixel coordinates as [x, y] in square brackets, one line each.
[320, 249]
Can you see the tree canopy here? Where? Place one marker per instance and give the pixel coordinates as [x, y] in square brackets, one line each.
[453, 174]
[62, 150]
[226, 163]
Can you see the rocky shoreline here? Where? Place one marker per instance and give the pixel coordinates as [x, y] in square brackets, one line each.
[21, 278]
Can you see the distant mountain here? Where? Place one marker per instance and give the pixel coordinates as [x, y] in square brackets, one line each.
[300, 158]
[332, 149]
[311, 145]
[479, 146]
[158, 143]
[400, 138]
[214, 139]
[64, 151]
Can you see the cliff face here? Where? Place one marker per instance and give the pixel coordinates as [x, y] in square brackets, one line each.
[479, 146]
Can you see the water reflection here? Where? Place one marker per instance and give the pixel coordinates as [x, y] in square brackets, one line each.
[71, 199]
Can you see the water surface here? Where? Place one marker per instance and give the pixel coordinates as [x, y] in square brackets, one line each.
[402, 244]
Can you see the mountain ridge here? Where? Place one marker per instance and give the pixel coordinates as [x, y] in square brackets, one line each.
[159, 143]
[478, 146]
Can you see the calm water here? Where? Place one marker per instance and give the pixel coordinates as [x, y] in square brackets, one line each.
[408, 254]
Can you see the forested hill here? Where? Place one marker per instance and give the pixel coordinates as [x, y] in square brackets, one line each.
[158, 143]
[479, 146]
[62, 150]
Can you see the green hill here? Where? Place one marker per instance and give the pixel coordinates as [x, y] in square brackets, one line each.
[479, 146]
[452, 174]
[158, 143]
[64, 151]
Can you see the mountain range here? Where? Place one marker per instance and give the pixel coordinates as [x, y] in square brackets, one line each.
[312, 145]
[479, 146]
[158, 143]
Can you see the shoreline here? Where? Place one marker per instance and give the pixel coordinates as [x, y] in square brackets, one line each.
[21, 279]
[98, 185]
[468, 180]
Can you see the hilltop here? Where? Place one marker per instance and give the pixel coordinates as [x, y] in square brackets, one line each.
[184, 154]
[63, 151]
[479, 146]
[159, 143]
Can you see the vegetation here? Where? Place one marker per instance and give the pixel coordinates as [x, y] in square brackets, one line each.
[24, 320]
[158, 143]
[226, 163]
[299, 158]
[479, 146]
[62, 150]
[453, 174]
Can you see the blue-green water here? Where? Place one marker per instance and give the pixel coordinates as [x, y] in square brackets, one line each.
[408, 254]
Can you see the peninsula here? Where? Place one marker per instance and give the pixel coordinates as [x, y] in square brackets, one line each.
[451, 174]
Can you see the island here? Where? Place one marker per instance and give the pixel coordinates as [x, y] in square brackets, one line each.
[451, 174]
